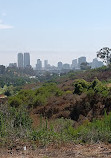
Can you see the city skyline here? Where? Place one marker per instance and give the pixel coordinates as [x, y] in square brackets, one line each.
[51, 56]
[23, 61]
[71, 28]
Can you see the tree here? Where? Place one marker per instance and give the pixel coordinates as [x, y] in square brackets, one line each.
[2, 69]
[105, 55]
[85, 66]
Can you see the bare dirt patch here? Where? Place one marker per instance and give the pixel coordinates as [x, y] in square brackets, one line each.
[108, 85]
[66, 151]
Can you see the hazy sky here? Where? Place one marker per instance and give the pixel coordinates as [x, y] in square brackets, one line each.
[54, 29]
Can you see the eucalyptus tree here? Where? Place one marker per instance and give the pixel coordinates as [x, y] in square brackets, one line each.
[105, 55]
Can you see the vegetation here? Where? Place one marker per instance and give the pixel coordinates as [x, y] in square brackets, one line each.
[34, 98]
[94, 87]
[105, 54]
[14, 122]
[16, 77]
[73, 108]
[63, 131]
[85, 66]
[15, 80]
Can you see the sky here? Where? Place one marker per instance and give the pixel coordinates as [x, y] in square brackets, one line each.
[57, 30]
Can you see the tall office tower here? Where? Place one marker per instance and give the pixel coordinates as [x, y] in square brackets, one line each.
[26, 59]
[39, 64]
[20, 60]
[74, 64]
[45, 64]
[81, 60]
[59, 65]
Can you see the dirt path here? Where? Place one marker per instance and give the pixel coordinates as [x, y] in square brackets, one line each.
[69, 151]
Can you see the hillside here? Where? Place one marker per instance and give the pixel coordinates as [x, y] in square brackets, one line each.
[78, 107]
[73, 108]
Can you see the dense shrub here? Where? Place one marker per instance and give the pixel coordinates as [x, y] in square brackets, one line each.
[39, 100]
[14, 101]
[94, 87]
[33, 98]
[80, 86]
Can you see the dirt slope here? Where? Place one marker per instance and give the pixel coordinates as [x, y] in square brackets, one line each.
[69, 151]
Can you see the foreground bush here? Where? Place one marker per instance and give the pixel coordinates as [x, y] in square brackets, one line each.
[14, 122]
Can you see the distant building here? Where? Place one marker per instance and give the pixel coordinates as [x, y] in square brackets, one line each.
[81, 60]
[20, 60]
[96, 63]
[66, 66]
[74, 64]
[45, 64]
[48, 66]
[59, 65]
[26, 60]
[12, 64]
[39, 64]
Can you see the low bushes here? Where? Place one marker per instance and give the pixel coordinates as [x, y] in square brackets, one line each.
[14, 122]
[62, 130]
[97, 130]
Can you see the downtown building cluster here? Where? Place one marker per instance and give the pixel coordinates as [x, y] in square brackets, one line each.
[75, 65]
[23, 61]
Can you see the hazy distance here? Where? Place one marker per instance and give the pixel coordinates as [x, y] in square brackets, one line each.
[53, 57]
[57, 30]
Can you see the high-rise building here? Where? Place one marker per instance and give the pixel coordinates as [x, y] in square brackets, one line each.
[45, 64]
[81, 60]
[59, 65]
[39, 64]
[26, 59]
[74, 64]
[20, 60]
